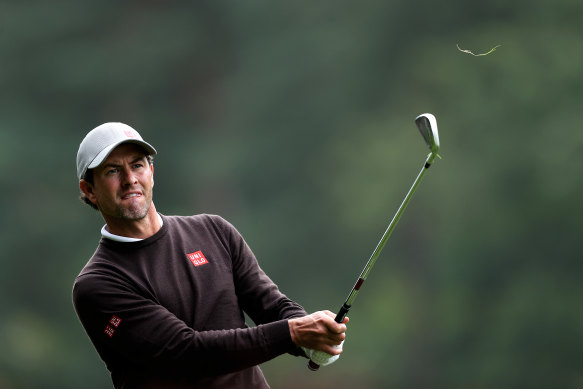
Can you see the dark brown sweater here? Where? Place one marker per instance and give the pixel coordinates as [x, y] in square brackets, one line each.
[167, 311]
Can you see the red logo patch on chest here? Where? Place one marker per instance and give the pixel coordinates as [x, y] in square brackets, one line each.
[197, 258]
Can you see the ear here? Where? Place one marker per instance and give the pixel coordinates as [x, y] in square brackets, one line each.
[88, 191]
[152, 170]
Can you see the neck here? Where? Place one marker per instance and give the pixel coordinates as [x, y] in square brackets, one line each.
[139, 229]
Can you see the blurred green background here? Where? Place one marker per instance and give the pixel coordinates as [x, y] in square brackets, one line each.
[294, 120]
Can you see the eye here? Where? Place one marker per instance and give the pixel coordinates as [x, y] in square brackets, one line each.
[111, 171]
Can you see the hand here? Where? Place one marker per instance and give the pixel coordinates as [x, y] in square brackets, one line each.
[321, 358]
[318, 331]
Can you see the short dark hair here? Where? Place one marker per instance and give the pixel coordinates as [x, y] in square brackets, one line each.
[89, 178]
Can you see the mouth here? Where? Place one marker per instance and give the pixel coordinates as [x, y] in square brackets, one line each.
[131, 195]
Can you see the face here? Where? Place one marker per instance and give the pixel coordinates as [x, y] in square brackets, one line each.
[122, 184]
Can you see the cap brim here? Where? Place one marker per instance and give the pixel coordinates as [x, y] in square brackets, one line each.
[98, 160]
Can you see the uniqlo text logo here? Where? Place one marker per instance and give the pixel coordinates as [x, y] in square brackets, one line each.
[114, 321]
[197, 258]
[109, 330]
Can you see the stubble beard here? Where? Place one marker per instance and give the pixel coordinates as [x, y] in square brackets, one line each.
[135, 211]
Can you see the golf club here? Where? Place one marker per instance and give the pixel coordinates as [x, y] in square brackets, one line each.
[427, 126]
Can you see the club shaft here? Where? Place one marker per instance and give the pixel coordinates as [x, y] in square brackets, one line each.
[369, 265]
[366, 271]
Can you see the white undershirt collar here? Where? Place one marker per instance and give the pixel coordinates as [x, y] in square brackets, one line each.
[119, 238]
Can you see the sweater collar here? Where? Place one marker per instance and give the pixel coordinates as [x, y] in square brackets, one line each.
[125, 239]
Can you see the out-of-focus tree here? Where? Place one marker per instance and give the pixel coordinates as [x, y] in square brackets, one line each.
[295, 121]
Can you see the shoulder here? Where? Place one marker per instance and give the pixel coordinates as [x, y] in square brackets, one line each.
[102, 274]
[200, 221]
[88, 285]
[198, 218]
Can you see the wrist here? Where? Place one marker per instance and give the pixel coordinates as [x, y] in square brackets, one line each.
[292, 324]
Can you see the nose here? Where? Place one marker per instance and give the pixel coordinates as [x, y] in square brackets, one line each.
[128, 177]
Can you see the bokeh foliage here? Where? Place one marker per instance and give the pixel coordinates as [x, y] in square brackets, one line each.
[294, 120]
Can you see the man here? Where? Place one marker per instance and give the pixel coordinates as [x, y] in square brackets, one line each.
[162, 298]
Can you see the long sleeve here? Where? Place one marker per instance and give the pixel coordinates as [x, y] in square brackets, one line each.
[260, 297]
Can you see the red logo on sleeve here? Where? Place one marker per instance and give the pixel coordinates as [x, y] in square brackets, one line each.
[114, 321]
[109, 328]
[197, 258]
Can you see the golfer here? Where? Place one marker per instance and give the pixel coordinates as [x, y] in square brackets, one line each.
[163, 298]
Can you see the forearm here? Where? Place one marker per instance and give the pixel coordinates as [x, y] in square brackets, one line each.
[223, 351]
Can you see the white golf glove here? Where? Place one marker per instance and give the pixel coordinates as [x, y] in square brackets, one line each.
[320, 357]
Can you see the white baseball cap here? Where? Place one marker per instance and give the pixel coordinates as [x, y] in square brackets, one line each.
[101, 141]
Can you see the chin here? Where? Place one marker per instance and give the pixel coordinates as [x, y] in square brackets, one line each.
[134, 213]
